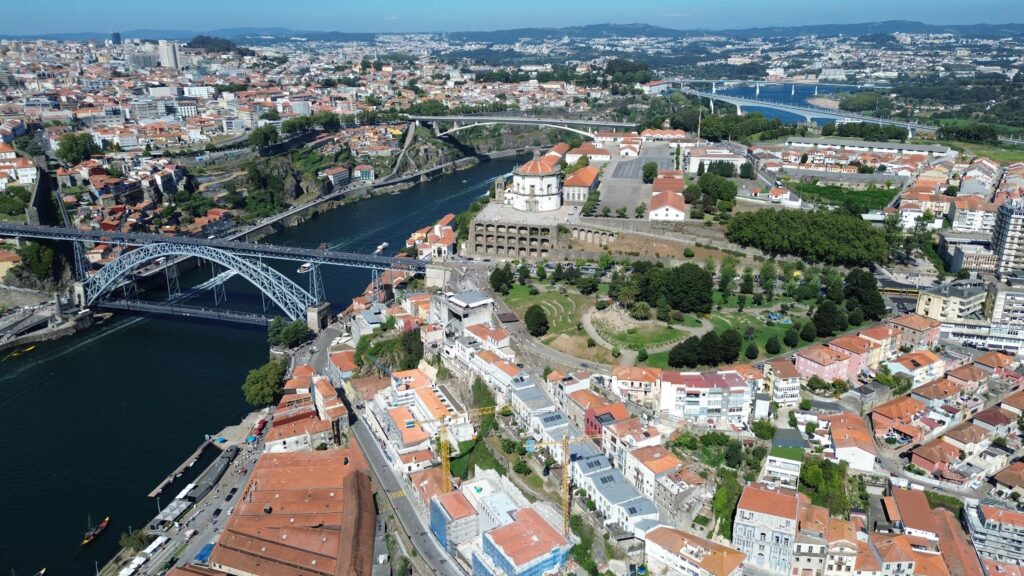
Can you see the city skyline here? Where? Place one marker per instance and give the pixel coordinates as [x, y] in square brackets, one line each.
[404, 16]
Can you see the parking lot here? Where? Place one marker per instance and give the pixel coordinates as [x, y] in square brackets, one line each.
[622, 185]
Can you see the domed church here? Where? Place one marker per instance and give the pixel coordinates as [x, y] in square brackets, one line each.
[536, 186]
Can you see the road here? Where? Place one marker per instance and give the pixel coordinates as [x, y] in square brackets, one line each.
[388, 482]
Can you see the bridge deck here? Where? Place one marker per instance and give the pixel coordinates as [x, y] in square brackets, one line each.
[238, 248]
[524, 120]
[171, 309]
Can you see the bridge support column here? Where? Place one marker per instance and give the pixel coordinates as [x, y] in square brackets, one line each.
[712, 102]
[318, 317]
[739, 110]
[78, 295]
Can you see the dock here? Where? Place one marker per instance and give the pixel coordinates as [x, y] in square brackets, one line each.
[181, 468]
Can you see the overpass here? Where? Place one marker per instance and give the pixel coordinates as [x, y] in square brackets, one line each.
[714, 83]
[242, 258]
[580, 126]
[808, 112]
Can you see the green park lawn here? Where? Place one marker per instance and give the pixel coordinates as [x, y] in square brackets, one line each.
[862, 201]
[563, 310]
[648, 336]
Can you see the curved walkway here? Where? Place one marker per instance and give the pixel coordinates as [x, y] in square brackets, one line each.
[629, 356]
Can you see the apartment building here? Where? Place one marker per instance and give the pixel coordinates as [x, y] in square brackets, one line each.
[765, 527]
[997, 531]
[718, 398]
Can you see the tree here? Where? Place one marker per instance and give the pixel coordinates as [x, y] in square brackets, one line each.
[826, 319]
[77, 146]
[773, 346]
[805, 404]
[763, 429]
[640, 311]
[285, 334]
[263, 385]
[729, 346]
[821, 236]
[686, 354]
[588, 285]
[524, 273]
[726, 275]
[809, 332]
[861, 289]
[640, 210]
[855, 317]
[536, 320]
[650, 172]
[501, 279]
[620, 212]
[135, 540]
[542, 273]
[733, 454]
[700, 168]
[752, 351]
[747, 171]
[642, 355]
[747, 284]
[264, 136]
[791, 338]
[39, 259]
[767, 278]
[664, 310]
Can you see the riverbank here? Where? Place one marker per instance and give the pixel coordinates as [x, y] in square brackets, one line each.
[826, 102]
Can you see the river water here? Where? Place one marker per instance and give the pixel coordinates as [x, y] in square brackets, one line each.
[94, 422]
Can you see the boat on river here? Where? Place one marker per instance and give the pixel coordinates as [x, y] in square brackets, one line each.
[381, 247]
[95, 531]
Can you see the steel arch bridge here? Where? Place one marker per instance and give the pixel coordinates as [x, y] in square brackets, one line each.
[460, 127]
[292, 299]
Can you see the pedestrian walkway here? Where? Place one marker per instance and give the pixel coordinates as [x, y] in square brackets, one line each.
[396, 494]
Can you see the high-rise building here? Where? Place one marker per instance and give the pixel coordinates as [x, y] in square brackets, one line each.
[7, 79]
[169, 57]
[1008, 237]
[115, 38]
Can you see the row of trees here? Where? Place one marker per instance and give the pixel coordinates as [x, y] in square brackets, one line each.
[829, 237]
[284, 334]
[864, 130]
[711, 349]
[686, 288]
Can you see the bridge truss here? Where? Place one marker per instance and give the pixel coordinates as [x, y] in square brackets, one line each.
[292, 299]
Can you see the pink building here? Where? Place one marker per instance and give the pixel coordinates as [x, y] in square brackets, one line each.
[864, 354]
[825, 363]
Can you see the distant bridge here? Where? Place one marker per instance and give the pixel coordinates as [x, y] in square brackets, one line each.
[808, 112]
[242, 258]
[735, 82]
[579, 126]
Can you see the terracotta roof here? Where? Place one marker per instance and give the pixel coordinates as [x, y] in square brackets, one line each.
[1012, 475]
[536, 168]
[584, 177]
[657, 459]
[780, 502]
[457, 505]
[914, 510]
[668, 185]
[956, 549]
[854, 344]
[930, 564]
[785, 369]
[527, 538]
[850, 430]
[994, 360]
[715, 559]
[307, 509]
[668, 199]
[636, 373]
[968, 433]
[893, 548]
[995, 416]
[915, 322]
[822, 355]
[938, 451]
[937, 389]
[916, 360]
[968, 373]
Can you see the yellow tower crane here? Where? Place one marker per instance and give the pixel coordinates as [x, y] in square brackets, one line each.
[444, 444]
[565, 442]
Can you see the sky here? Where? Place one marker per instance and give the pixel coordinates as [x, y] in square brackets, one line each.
[22, 17]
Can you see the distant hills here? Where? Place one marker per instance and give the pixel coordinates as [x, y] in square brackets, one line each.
[275, 34]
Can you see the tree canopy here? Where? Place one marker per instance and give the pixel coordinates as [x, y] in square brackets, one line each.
[829, 237]
[263, 385]
[77, 146]
[536, 320]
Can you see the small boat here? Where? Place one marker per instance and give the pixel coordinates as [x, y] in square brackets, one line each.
[96, 531]
[305, 268]
[29, 349]
[381, 248]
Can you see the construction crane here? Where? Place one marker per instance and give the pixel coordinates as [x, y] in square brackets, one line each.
[565, 442]
[444, 444]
